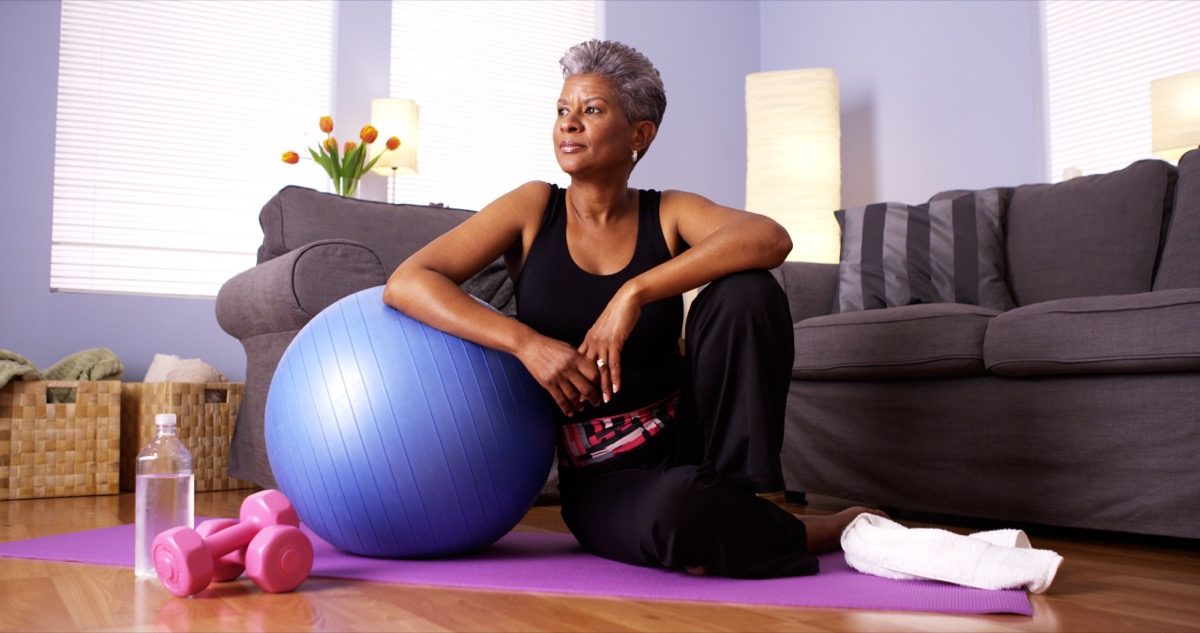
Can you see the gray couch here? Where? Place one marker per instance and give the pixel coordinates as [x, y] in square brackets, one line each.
[318, 248]
[1079, 407]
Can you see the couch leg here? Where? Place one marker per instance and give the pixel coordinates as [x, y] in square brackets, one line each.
[795, 497]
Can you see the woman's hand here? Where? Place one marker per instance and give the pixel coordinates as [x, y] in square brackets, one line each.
[607, 337]
[569, 376]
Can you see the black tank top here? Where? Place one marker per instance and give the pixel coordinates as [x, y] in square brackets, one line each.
[561, 300]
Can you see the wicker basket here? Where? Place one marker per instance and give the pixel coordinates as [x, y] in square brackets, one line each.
[59, 449]
[205, 416]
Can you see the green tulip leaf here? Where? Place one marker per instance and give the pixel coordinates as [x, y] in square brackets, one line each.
[323, 160]
[357, 160]
[333, 158]
[372, 163]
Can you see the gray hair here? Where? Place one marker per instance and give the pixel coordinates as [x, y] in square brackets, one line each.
[638, 84]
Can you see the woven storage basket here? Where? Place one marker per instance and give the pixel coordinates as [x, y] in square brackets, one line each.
[205, 415]
[63, 449]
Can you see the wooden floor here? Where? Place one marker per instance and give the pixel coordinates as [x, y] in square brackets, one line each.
[1108, 583]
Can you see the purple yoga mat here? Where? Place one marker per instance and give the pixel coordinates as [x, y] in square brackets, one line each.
[553, 563]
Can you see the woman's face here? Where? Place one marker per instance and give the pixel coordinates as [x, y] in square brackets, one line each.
[591, 131]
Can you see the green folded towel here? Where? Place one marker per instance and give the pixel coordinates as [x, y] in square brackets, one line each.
[98, 363]
[15, 366]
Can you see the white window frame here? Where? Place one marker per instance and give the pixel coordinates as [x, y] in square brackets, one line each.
[172, 119]
[486, 77]
[1100, 58]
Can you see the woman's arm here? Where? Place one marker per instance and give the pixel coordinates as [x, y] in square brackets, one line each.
[426, 287]
[722, 241]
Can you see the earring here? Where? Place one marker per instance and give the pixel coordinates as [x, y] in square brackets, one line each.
[635, 155]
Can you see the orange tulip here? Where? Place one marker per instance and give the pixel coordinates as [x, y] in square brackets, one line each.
[368, 133]
[349, 148]
[393, 143]
[326, 124]
[331, 145]
[291, 158]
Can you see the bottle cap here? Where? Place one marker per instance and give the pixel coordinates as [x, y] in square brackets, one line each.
[164, 419]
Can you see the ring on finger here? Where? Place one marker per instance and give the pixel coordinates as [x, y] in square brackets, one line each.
[601, 363]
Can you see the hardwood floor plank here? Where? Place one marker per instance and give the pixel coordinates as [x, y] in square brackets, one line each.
[33, 603]
[1108, 583]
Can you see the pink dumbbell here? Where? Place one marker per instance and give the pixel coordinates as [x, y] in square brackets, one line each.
[231, 565]
[278, 556]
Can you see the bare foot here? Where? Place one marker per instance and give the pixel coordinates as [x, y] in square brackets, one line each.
[825, 532]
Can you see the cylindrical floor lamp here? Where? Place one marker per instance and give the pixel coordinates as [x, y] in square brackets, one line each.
[793, 157]
[1175, 115]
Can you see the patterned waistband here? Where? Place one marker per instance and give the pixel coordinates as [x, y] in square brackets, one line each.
[601, 439]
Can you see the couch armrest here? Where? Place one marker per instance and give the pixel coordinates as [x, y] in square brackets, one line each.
[284, 293]
[296, 216]
[811, 288]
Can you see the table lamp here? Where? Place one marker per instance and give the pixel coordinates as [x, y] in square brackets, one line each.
[399, 118]
[1175, 115]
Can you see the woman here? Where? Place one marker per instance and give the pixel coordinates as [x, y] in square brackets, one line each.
[661, 455]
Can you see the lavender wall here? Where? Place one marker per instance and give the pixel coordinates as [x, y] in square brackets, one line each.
[693, 152]
[45, 326]
[935, 95]
[704, 50]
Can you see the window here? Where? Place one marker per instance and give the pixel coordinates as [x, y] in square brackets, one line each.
[1100, 60]
[486, 78]
[172, 117]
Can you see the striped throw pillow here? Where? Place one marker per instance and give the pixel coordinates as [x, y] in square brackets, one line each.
[948, 250]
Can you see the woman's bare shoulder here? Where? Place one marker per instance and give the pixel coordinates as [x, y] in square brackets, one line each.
[676, 199]
[526, 201]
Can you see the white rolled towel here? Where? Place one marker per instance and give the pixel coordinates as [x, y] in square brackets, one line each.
[171, 368]
[999, 559]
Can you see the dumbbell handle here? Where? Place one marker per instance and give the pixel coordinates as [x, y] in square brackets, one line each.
[231, 538]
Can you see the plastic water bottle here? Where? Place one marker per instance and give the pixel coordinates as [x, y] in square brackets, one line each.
[166, 491]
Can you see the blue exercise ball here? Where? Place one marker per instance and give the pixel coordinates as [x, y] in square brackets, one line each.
[394, 439]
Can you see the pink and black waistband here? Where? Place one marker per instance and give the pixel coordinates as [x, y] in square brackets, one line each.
[601, 439]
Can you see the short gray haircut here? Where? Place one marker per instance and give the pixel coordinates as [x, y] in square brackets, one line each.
[638, 84]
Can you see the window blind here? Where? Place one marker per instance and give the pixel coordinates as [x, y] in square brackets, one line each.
[486, 78]
[1100, 60]
[171, 120]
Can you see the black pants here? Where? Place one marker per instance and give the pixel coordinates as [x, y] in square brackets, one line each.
[687, 497]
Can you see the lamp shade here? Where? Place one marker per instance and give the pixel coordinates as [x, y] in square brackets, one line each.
[399, 118]
[793, 157]
[1175, 115]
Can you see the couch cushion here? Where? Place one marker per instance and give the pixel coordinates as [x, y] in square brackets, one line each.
[1088, 236]
[1180, 263]
[918, 341]
[949, 250]
[1145, 332]
[810, 287]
